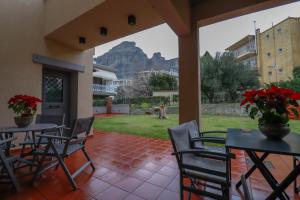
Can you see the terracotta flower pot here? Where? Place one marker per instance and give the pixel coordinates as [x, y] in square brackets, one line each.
[23, 121]
[274, 131]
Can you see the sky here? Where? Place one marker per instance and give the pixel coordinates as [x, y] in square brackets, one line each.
[213, 38]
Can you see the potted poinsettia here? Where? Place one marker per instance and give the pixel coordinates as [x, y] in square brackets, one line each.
[272, 106]
[25, 108]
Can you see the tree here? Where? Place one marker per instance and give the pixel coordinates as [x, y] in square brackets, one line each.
[235, 76]
[293, 84]
[224, 74]
[162, 82]
[210, 76]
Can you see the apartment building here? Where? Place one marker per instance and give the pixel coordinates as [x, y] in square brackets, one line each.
[245, 51]
[278, 50]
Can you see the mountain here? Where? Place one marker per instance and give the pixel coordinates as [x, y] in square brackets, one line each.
[128, 59]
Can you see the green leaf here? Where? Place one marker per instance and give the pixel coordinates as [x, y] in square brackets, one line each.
[253, 112]
[295, 111]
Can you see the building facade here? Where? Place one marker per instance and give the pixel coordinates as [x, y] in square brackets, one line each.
[32, 64]
[245, 51]
[104, 82]
[279, 50]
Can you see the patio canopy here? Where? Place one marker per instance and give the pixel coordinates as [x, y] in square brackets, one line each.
[105, 75]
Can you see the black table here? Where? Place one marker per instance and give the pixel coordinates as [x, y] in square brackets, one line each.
[253, 141]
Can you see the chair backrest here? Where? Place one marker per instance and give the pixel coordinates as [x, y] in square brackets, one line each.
[52, 119]
[180, 138]
[193, 129]
[82, 126]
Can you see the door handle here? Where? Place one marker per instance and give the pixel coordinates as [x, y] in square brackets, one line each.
[53, 107]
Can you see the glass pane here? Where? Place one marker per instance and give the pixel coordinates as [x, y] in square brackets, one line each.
[53, 89]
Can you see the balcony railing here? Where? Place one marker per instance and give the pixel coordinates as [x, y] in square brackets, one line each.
[97, 88]
[244, 51]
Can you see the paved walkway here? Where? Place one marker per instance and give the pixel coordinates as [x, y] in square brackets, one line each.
[132, 168]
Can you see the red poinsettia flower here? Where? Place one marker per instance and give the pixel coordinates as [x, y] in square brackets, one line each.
[272, 103]
[24, 105]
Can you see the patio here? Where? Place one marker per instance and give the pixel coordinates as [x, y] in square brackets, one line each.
[132, 167]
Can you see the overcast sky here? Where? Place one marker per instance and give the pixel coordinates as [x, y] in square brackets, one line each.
[213, 38]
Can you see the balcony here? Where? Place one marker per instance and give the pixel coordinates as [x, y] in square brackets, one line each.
[99, 89]
[245, 53]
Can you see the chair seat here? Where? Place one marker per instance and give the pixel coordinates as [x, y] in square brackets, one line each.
[200, 145]
[30, 141]
[205, 163]
[205, 176]
[72, 148]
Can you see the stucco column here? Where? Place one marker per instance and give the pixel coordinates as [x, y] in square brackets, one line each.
[189, 76]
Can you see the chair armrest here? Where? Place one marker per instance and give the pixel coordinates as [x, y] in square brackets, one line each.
[206, 152]
[217, 140]
[210, 132]
[7, 140]
[52, 137]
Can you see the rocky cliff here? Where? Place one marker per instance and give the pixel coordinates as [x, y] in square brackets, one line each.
[128, 59]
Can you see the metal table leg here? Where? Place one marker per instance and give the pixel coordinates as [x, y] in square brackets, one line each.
[252, 169]
[281, 194]
[285, 183]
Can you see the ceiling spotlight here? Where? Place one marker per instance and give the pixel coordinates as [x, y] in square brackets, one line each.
[103, 31]
[131, 20]
[82, 40]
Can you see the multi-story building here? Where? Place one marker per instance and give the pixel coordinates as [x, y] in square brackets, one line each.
[104, 81]
[278, 50]
[245, 51]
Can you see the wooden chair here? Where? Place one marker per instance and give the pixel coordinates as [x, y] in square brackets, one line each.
[59, 151]
[6, 164]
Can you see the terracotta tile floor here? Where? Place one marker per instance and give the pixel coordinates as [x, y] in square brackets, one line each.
[132, 168]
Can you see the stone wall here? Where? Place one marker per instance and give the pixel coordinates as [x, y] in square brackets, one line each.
[233, 109]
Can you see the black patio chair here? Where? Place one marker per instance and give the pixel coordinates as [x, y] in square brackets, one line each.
[7, 164]
[203, 167]
[208, 140]
[247, 191]
[59, 120]
[72, 143]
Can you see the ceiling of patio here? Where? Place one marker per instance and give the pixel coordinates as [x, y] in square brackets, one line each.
[113, 14]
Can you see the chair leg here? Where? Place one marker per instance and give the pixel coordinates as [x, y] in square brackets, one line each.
[9, 171]
[181, 187]
[67, 172]
[63, 165]
[296, 189]
[88, 158]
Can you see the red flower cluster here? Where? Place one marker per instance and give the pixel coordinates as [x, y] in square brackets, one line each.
[270, 94]
[24, 104]
[272, 104]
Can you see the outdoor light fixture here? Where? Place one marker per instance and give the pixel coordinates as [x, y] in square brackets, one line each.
[82, 40]
[103, 31]
[131, 20]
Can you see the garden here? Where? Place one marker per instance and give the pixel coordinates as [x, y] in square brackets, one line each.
[151, 126]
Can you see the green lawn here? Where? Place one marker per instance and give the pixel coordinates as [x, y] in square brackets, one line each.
[151, 126]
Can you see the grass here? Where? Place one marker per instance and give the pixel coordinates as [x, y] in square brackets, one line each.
[151, 126]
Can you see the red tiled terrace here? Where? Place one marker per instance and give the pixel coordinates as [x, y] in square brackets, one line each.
[133, 168]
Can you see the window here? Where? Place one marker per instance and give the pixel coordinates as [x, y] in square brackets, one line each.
[279, 30]
[280, 50]
[280, 70]
[267, 36]
[270, 73]
[268, 54]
